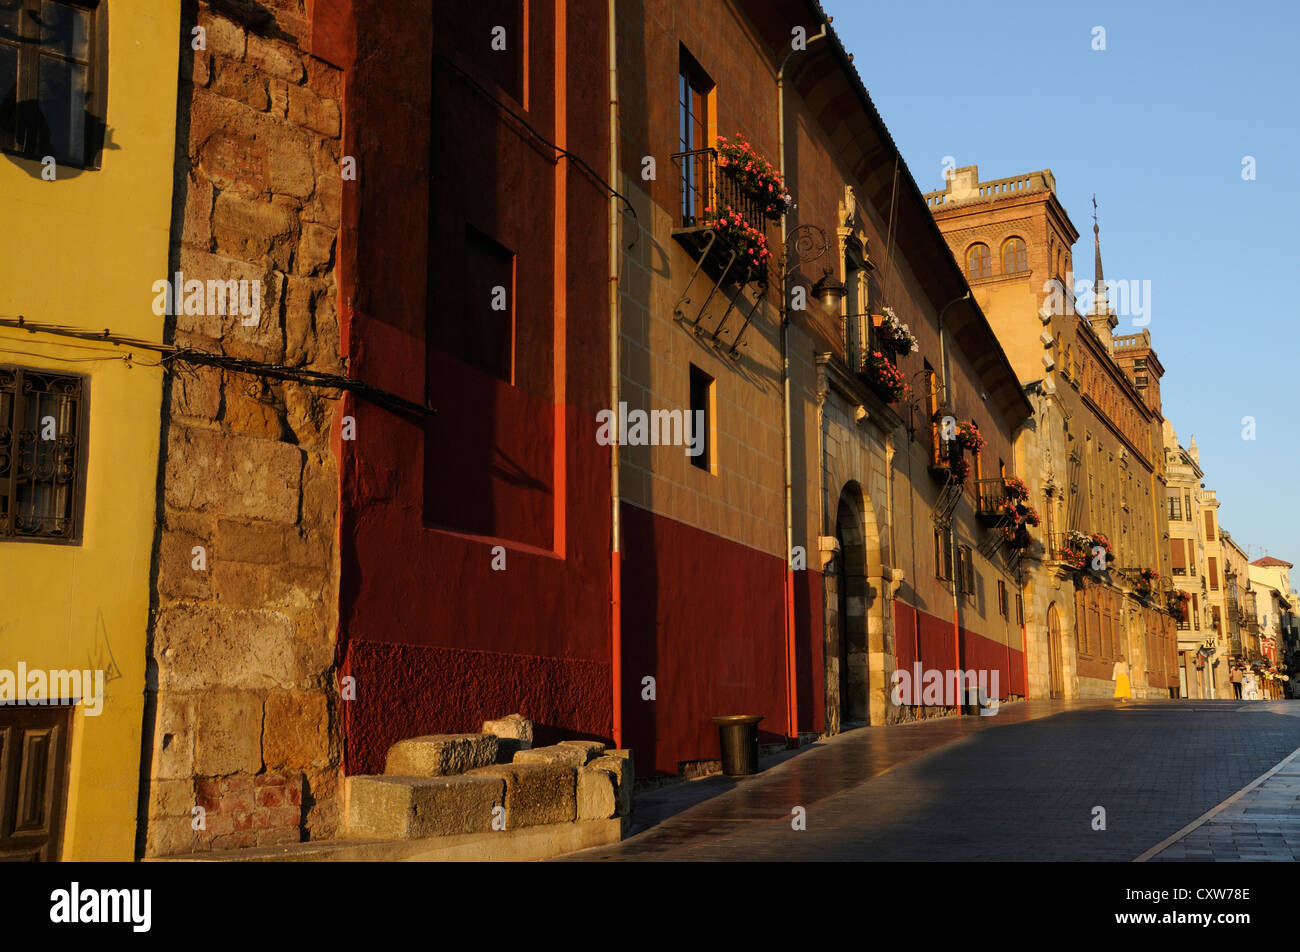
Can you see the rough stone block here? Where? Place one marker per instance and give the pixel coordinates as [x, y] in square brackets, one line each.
[310, 111]
[619, 765]
[592, 748]
[199, 646]
[228, 734]
[514, 733]
[536, 794]
[440, 755]
[275, 59]
[238, 477]
[297, 729]
[559, 754]
[410, 807]
[221, 36]
[596, 797]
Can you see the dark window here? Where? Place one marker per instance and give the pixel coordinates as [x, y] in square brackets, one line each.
[53, 77]
[693, 90]
[1002, 598]
[1175, 509]
[965, 570]
[484, 335]
[702, 409]
[42, 472]
[943, 554]
[1020, 610]
[496, 42]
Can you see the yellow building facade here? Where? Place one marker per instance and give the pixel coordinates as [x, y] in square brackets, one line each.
[85, 198]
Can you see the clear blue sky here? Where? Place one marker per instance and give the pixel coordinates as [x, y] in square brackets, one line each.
[1157, 125]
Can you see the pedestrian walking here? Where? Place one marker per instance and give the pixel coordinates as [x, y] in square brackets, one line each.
[1235, 677]
[1119, 675]
[1250, 687]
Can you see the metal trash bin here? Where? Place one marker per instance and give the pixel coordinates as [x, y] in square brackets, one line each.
[738, 738]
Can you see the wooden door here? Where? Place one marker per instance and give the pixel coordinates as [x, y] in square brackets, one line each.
[33, 782]
[1055, 672]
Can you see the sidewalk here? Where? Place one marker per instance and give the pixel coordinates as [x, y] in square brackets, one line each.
[691, 812]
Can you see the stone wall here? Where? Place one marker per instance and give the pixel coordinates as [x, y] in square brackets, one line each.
[242, 703]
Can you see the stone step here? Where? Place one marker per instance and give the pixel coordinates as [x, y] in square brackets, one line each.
[400, 808]
[440, 755]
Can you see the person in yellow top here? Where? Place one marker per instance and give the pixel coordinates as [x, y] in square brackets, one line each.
[1119, 675]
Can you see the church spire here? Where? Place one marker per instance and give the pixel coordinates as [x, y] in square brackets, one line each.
[1101, 318]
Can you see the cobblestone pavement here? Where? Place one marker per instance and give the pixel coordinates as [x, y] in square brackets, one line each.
[1022, 785]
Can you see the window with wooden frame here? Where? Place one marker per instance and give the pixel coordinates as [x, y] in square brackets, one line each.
[1212, 570]
[1015, 257]
[1020, 609]
[1209, 526]
[979, 262]
[42, 455]
[943, 554]
[54, 80]
[1003, 607]
[1175, 508]
[966, 571]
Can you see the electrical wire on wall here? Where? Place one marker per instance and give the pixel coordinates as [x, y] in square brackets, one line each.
[172, 356]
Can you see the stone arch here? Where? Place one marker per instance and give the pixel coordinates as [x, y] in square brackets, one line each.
[855, 688]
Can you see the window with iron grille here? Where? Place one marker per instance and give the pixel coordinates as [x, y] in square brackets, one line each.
[53, 79]
[42, 455]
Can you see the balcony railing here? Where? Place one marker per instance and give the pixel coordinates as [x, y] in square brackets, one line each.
[990, 495]
[706, 191]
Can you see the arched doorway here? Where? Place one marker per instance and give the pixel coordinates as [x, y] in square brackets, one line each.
[1055, 672]
[855, 626]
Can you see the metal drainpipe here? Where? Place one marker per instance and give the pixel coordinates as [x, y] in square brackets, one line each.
[792, 707]
[956, 582]
[616, 568]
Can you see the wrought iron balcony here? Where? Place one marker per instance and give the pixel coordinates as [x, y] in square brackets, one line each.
[706, 192]
[990, 497]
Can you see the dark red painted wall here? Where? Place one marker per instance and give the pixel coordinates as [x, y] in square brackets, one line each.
[704, 616]
[438, 640]
[935, 637]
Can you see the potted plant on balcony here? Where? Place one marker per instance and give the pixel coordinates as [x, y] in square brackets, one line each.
[968, 436]
[883, 377]
[1016, 489]
[1080, 550]
[739, 235]
[754, 175]
[893, 334]
[1177, 604]
[1147, 580]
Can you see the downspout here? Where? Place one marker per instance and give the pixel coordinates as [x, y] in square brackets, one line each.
[615, 565]
[791, 673]
[956, 564]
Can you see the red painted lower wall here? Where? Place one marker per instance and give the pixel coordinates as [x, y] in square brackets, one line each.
[703, 616]
[935, 638]
[407, 690]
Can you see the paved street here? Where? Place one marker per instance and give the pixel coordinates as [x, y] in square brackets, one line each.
[1022, 785]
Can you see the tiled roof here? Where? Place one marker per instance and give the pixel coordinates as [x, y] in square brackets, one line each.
[1268, 562]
